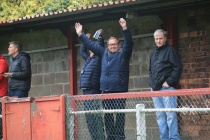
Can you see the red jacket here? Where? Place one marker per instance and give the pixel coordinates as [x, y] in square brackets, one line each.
[3, 81]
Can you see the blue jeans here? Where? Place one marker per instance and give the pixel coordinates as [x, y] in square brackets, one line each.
[167, 121]
[114, 131]
[17, 92]
[94, 120]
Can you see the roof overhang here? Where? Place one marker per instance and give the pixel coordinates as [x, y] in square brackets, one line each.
[96, 13]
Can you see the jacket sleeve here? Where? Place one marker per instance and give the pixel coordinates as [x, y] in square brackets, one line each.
[101, 42]
[25, 69]
[83, 52]
[3, 67]
[127, 45]
[94, 47]
[174, 59]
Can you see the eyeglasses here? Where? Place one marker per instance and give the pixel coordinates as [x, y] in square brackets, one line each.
[115, 44]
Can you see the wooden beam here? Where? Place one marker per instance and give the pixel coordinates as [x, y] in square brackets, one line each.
[72, 62]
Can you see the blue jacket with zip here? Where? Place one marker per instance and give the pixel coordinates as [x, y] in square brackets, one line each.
[114, 66]
[91, 70]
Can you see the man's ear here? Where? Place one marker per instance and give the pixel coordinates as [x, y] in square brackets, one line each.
[16, 49]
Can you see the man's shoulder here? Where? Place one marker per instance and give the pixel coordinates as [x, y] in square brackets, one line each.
[171, 48]
[24, 55]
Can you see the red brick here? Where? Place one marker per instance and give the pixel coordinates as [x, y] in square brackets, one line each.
[183, 35]
[193, 34]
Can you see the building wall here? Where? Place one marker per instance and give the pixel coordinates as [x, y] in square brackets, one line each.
[194, 48]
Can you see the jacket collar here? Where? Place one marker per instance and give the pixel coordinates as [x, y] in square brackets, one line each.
[162, 47]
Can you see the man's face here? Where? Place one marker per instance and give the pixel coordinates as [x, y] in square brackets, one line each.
[12, 50]
[160, 39]
[113, 45]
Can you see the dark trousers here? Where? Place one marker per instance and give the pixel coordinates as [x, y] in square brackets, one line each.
[17, 92]
[94, 120]
[115, 129]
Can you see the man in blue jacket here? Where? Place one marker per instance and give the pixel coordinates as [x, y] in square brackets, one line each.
[19, 71]
[114, 75]
[90, 84]
[165, 72]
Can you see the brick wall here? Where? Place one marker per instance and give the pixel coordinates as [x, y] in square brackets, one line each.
[194, 49]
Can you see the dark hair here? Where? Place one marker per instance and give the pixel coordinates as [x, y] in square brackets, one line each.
[16, 44]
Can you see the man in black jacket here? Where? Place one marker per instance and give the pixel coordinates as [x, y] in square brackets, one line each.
[90, 84]
[19, 71]
[165, 71]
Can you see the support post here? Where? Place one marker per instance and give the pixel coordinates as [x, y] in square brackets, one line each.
[140, 122]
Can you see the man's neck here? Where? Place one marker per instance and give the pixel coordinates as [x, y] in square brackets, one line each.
[15, 54]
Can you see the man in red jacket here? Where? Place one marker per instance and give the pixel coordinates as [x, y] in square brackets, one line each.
[3, 83]
[3, 80]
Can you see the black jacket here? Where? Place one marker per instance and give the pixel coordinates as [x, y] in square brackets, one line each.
[165, 65]
[20, 67]
[91, 70]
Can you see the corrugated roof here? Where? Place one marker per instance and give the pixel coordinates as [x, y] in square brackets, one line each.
[66, 11]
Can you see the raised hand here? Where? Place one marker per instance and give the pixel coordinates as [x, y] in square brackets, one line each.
[123, 23]
[78, 28]
[101, 31]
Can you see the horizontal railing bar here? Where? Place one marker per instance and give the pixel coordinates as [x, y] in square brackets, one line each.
[104, 111]
[143, 110]
[142, 94]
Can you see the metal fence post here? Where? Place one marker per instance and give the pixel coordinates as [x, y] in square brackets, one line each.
[71, 121]
[140, 122]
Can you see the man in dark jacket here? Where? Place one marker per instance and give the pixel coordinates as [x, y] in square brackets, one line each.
[114, 75]
[165, 72]
[90, 84]
[19, 71]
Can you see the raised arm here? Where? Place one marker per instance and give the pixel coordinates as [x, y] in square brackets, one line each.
[127, 45]
[78, 28]
[94, 47]
[123, 23]
[83, 49]
[101, 39]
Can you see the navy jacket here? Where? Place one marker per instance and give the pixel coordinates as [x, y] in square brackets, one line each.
[114, 66]
[91, 70]
[165, 65]
[20, 67]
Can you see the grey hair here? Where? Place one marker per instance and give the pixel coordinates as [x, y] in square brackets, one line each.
[160, 31]
[16, 44]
